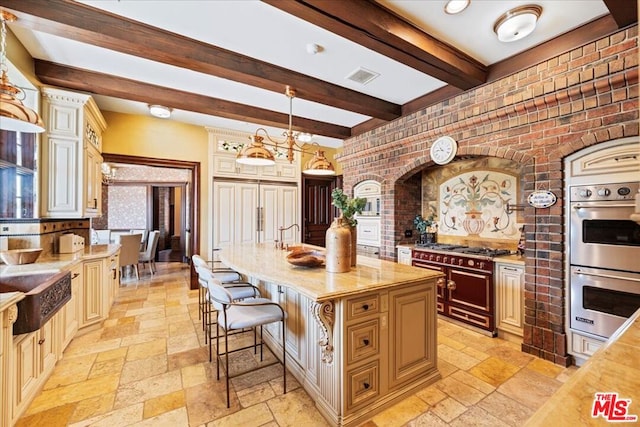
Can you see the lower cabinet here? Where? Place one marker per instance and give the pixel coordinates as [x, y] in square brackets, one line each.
[34, 357]
[70, 313]
[92, 293]
[509, 283]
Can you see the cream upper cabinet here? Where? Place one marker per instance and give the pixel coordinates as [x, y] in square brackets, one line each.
[71, 180]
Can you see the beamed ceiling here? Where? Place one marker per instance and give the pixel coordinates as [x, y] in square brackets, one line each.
[227, 63]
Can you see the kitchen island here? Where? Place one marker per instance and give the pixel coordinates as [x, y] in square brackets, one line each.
[359, 341]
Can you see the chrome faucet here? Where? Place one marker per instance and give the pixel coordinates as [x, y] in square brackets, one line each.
[280, 244]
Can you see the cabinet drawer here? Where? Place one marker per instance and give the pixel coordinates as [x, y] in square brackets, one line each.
[363, 384]
[470, 317]
[363, 341]
[363, 306]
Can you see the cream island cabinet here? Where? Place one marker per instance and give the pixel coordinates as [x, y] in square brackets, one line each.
[71, 178]
[27, 360]
[358, 341]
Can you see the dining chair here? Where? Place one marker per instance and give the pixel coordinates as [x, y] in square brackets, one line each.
[149, 255]
[234, 316]
[129, 251]
[144, 233]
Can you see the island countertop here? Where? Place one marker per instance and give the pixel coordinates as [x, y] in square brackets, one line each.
[265, 262]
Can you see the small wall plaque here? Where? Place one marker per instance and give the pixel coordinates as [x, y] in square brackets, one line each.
[541, 199]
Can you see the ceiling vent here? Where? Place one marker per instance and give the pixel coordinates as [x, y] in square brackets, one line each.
[362, 76]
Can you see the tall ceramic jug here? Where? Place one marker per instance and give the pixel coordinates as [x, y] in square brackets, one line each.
[338, 245]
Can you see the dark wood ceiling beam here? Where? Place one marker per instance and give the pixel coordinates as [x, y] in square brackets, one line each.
[92, 26]
[373, 26]
[585, 34]
[624, 12]
[104, 84]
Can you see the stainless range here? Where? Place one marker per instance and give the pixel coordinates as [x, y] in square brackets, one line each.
[466, 293]
[604, 257]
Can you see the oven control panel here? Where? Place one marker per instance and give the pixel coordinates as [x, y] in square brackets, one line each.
[603, 192]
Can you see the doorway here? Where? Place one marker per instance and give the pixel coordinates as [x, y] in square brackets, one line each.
[168, 216]
[317, 210]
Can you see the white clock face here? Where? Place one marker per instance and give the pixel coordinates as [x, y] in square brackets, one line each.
[443, 150]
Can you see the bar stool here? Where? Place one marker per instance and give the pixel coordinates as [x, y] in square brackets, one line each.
[239, 315]
[224, 274]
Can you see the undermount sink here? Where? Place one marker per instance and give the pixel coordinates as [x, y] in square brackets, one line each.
[45, 294]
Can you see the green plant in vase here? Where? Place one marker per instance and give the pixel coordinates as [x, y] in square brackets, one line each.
[348, 206]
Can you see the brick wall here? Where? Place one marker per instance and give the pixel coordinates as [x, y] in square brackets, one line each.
[536, 117]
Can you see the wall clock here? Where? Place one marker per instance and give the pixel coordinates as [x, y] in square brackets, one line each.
[443, 150]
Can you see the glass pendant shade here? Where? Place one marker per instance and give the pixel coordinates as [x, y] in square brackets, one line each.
[319, 165]
[255, 153]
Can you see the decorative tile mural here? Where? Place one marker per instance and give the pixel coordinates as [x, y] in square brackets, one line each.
[474, 204]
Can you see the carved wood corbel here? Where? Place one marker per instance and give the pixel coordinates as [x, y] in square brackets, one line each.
[324, 314]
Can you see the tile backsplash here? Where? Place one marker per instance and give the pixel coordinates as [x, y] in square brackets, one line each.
[41, 233]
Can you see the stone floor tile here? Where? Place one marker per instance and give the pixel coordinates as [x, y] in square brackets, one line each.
[165, 403]
[456, 358]
[431, 394]
[545, 367]
[89, 408]
[445, 368]
[510, 355]
[254, 416]
[460, 391]
[147, 349]
[448, 409]
[137, 370]
[494, 371]
[56, 416]
[119, 417]
[427, 419]
[402, 412]
[507, 410]
[71, 370]
[193, 375]
[106, 367]
[470, 380]
[256, 394]
[475, 353]
[139, 391]
[295, 409]
[529, 388]
[477, 417]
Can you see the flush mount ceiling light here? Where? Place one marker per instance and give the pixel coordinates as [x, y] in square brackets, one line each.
[160, 111]
[517, 23]
[14, 115]
[257, 154]
[456, 6]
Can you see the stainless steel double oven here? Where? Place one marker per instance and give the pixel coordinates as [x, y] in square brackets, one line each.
[604, 257]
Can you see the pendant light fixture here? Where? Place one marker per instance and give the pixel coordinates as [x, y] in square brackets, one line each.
[14, 115]
[257, 154]
[319, 165]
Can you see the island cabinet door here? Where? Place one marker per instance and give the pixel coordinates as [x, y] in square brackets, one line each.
[412, 333]
[292, 303]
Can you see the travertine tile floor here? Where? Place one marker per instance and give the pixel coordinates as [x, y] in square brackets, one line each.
[148, 366]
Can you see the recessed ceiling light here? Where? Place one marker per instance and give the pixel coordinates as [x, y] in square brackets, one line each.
[456, 6]
[517, 23]
[160, 111]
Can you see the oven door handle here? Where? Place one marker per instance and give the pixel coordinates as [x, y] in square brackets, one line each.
[617, 205]
[606, 276]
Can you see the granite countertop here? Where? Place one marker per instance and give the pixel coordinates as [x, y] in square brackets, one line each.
[267, 263]
[59, 262]
[7, 299]
[614, 368]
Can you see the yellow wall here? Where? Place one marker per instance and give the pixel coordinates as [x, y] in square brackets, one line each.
[146, 136]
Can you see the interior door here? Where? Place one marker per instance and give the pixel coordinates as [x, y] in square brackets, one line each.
[318, 213]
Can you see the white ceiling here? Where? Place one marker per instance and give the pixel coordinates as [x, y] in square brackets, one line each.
[258, 30]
